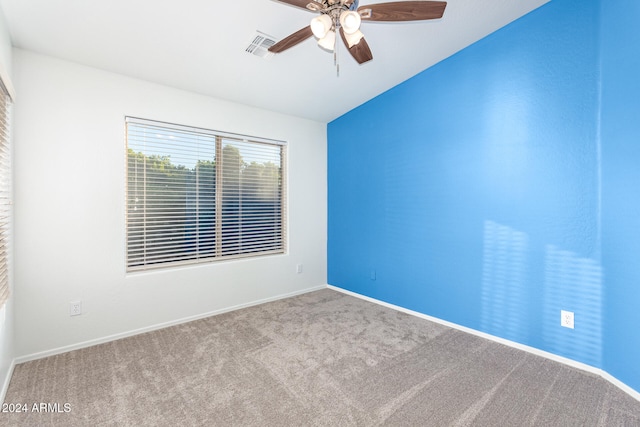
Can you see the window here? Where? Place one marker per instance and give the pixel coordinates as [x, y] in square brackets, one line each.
[5, 193]
[195, 195]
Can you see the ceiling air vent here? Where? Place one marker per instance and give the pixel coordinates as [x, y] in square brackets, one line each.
[260, 45]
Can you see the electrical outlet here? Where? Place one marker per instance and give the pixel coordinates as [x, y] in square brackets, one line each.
[566, 319]
[75, 308]
[299, 268]
[373, 275]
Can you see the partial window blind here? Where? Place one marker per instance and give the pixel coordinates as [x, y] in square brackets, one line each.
[5, 193]
[195, 195]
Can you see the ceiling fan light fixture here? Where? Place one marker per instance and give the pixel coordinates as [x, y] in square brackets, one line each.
[353, 39]
[328, 41]
[320, 25]
[350, 21]
[346, 16]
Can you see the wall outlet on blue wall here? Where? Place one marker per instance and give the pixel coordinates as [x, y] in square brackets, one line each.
[566, 319]
[373, 275]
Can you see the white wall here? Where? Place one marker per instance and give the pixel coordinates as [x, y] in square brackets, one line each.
[5, 49]
[6, 313]
[69, 208]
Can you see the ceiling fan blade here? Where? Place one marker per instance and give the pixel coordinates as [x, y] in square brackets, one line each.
[312, 5]
[292, 40]
[360, 52]
[403, 11]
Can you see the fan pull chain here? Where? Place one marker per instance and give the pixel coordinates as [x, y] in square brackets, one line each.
[336, 59]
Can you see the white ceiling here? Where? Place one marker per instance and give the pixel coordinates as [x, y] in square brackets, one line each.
[199, 46]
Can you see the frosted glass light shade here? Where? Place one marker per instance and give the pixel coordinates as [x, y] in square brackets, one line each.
[354, 38]
[328, 41]
[350, 21]
[320, 25]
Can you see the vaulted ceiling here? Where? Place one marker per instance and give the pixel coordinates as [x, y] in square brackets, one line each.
[200, 46]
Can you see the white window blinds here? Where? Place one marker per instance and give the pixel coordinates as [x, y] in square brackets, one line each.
[5, 193]
[195, 195]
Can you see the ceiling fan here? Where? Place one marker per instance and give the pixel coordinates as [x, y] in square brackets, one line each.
[344, 16]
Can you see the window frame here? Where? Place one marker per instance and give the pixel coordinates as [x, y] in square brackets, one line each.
[280, 218]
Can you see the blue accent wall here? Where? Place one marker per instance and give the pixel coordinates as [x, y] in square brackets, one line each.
[621, 187]
[478, 191]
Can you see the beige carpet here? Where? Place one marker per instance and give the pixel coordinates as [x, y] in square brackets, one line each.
[320, 359]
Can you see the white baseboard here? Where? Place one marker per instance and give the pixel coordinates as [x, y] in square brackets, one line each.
[114, 337]
[622, 386]
[570, 362]
[7, 380]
